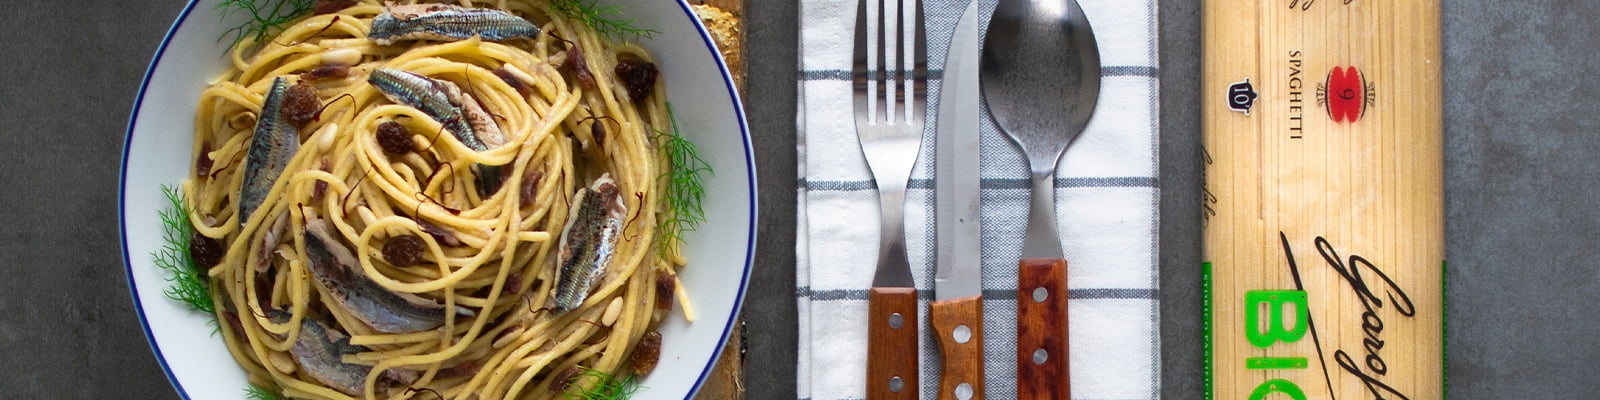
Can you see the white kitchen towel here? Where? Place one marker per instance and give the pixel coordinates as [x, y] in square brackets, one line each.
[1106, 200]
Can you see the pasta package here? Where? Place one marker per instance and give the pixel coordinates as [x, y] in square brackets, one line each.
[1323, 200]
[460, 199]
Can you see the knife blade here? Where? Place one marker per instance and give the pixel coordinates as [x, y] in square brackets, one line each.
[957, 312]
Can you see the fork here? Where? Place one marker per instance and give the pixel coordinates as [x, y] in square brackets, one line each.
[889, 110]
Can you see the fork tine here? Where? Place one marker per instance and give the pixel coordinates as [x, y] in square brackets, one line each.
[917, 87]
[858, 64]
[894, 48]
[884, 98]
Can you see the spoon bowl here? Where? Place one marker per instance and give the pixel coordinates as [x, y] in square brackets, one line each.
[1041, 77]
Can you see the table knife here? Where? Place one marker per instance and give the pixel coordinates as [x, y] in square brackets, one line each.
[957, 311]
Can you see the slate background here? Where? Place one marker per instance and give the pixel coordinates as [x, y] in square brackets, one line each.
[1522, 205]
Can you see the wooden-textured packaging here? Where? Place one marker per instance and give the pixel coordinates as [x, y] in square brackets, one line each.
[1324, 199]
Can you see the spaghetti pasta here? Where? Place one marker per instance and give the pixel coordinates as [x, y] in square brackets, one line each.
[410, 246]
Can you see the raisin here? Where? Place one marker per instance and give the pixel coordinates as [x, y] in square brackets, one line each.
[204, 251]
[332, 6]
[639, 76]
[513, 285]
[234, 323]
[580, 68]
[320, 188]
[511, 79]
[666, 286]
[563, 380]
[598, 131]
[327, 72]
[646, 353]
[530, 186]
[202, 164]
[394, 138]
[441, 235]
[300, 104]
[403, 251]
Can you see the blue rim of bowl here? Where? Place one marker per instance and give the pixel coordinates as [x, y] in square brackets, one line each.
[705, 37]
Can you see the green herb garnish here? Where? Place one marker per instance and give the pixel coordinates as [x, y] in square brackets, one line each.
[189, 285]
[606, 387]
[260, 393]
[267, 17]
[607, 20]
[685, 186]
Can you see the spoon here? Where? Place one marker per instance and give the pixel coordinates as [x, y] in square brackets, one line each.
[1041, 76]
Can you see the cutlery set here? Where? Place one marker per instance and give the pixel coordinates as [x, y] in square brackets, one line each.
[1040, 72]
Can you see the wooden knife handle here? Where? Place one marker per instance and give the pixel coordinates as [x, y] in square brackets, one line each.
[1042, 329]
[958, 325]
[892, 343]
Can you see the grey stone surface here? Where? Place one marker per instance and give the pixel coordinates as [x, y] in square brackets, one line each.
[769, 308]
[70, 71]
[1522, 206]
[1180, 200]
[1523, 198]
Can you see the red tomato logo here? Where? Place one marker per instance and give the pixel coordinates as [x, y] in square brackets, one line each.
[1346, 94]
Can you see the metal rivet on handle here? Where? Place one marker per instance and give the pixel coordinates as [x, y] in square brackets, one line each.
[895, 384]
[896, 321]
[964, 391]
[1040, 356]
[961, 334]
[1040, 294]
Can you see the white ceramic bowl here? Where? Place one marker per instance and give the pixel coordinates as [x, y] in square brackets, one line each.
[161, 132]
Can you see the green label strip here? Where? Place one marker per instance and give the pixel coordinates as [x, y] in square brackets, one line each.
[1205, 324]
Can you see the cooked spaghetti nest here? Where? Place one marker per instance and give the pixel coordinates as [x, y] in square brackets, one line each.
[494, 256]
